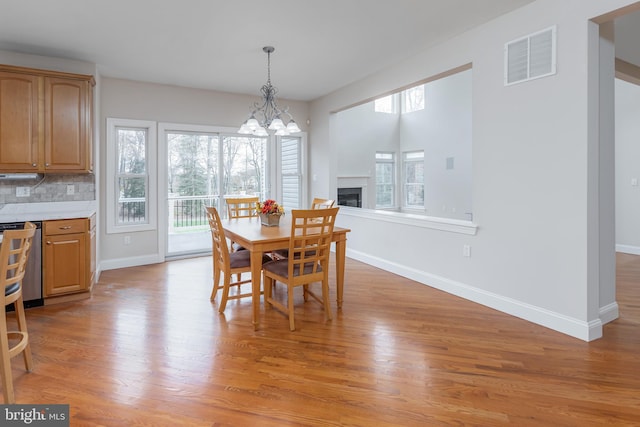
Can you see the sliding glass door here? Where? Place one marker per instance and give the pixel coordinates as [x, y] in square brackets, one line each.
[203, 168]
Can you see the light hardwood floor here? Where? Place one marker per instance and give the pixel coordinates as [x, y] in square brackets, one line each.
[150, 349]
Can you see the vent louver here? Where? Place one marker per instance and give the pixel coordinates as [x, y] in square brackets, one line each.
[530, 57]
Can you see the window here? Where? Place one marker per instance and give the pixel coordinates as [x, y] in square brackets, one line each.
[414, 179]
[131, 189]
[413, 99]
[291, 171]
[386, 104]
[385, 180]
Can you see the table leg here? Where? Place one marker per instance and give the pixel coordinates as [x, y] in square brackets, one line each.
[256, 279]
[341, 245]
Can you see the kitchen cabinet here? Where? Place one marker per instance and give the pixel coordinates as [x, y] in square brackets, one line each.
[46, 121]
[19, 119]
[68, 256]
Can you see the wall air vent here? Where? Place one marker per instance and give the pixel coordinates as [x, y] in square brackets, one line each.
[530, 57]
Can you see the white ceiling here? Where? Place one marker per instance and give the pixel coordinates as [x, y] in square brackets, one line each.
[320, 45]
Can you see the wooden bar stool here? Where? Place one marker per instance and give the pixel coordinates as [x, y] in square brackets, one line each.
[14, 252]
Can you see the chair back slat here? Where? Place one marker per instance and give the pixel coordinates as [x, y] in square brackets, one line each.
[242, 207]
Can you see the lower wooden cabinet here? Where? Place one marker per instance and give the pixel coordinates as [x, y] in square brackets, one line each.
[69, 256]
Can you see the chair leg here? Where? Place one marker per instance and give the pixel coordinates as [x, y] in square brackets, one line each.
[325, 298]
[268, 283]
[225, 293]
[292, 325]
[22, 327]
[5, 362]
[216, 281]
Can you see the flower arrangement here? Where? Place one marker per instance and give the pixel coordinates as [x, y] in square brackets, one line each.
[269, 207]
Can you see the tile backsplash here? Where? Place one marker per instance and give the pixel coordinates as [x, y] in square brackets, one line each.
[48, 188]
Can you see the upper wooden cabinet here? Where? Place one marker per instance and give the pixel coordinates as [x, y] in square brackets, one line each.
[46, 121]
[19, 119]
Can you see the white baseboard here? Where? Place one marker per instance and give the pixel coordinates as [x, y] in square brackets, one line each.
[628, 249]
[586, 331]
[609, 313]
[112, 264]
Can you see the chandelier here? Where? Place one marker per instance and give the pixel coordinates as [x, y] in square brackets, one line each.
[266, 114]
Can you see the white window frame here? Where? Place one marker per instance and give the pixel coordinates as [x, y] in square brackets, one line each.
[392, 162]
[406, 159]
[380, 104]
[276, 170]
[407, 94]
[151, 168]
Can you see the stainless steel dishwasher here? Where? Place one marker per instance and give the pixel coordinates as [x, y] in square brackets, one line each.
[32, 282]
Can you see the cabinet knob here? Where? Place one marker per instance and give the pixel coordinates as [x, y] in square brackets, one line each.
[34, 164]
[46, 165]
[48, 242]
[66, 227]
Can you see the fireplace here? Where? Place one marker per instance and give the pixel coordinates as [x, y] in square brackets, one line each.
[351, 196]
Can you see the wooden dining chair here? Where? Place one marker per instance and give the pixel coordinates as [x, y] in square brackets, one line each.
[14, 253]
[227, 263]
[308, 261]
[241, 207]
[317, 203]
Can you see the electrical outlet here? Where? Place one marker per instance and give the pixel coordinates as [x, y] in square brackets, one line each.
[23, 191]
[466, 251]
[127, 240]
[71, 189]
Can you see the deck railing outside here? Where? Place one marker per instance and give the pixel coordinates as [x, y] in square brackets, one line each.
[187, 213]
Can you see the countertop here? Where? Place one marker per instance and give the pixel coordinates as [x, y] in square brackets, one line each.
[20, 212]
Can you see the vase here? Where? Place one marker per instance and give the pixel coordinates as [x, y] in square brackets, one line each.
[270, 220]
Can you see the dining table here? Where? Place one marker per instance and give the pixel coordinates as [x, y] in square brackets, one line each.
[260, 239]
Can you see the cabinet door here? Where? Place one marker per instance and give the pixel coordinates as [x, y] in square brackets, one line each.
[18, 122]
[67, 130]
[65, 264]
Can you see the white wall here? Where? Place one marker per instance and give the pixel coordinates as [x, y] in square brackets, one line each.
[443, 130]
[169, 104]
[627, 167]
[535, 187]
